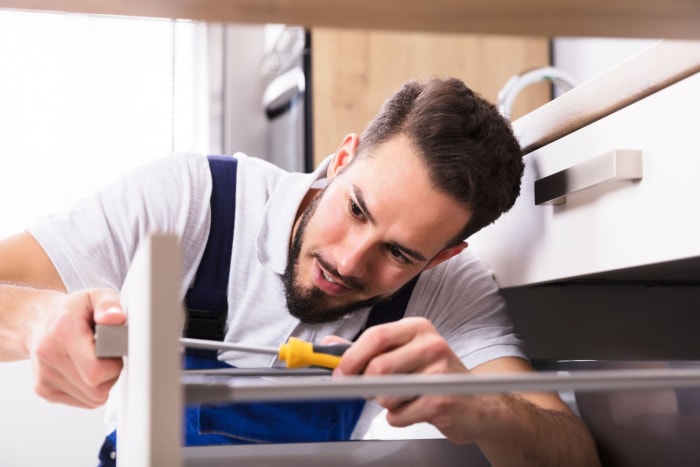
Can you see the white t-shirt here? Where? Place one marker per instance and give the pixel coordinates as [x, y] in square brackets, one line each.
[94, 243]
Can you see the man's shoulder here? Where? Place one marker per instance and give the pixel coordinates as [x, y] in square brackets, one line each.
[171, 169]
[457, 280]
[258, 165]
[257, 178]
[464, 266]
[253, 173]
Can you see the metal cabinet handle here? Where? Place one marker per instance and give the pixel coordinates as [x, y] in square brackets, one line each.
[620, 164]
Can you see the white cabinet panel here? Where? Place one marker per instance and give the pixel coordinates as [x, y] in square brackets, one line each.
[615, 225]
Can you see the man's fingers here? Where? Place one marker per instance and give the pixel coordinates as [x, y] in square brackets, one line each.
[65, 365]
[65, 385]
[394, 403]
[101, 306]
[107, 308]
[426, 408]
[94, 371]
[329, 340]
[375, 341]
[411, 345]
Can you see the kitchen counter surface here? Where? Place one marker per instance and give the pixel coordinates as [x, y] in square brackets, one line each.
[661, 65]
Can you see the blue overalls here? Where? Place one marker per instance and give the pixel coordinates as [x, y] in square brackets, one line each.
[207, 308]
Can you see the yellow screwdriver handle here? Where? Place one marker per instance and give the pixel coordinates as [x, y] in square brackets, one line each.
[299, 353]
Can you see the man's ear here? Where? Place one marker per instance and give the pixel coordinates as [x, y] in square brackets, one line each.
[446, 254]
[343, 155]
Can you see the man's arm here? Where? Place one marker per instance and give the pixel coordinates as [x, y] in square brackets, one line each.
[533, 428]
[40, 322]
[24, 262]
[511, 429]
[28, 280]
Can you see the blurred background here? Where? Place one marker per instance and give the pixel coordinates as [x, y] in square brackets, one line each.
[85, 98]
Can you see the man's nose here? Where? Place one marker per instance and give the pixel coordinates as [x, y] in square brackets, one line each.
[355, 258]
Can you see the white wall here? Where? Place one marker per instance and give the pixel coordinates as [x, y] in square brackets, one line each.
[82, 99]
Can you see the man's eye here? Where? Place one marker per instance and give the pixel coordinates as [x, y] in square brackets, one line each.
[355, 209]
[397, 254]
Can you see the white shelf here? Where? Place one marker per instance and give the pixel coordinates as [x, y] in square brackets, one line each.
[614, 226]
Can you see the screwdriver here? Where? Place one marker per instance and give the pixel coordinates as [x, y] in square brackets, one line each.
[297, 353]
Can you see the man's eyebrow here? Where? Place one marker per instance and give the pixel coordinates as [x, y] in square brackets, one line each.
[361, 202]
[409, 251]
[363, 206]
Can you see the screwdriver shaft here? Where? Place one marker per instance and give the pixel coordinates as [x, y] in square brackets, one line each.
[218, 345]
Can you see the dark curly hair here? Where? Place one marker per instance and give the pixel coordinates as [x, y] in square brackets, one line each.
[469, 149]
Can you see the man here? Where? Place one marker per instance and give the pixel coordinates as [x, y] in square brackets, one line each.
[312, 253]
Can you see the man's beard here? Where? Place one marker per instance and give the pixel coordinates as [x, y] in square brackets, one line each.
[311, 306]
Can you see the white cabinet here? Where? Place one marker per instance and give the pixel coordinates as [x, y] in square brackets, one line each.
[614, 225]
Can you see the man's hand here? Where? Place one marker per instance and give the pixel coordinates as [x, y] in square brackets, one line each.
[40, 322]
[62, 349]
[413, 346]
[526, 429]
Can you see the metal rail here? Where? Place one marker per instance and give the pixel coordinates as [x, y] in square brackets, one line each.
[201, 389]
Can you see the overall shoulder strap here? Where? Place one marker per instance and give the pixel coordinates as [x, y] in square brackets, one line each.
[207, 302]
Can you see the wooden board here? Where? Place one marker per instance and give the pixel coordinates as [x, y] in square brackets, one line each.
[594, 18]
[355, 71]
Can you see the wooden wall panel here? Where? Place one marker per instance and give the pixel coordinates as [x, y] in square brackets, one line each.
[355, 71]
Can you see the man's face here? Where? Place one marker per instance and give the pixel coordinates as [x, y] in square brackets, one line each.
[377, 224]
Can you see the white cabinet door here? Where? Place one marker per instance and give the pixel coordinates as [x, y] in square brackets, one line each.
[614, 225]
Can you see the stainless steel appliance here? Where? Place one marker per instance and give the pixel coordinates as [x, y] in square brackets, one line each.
[287, 101]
